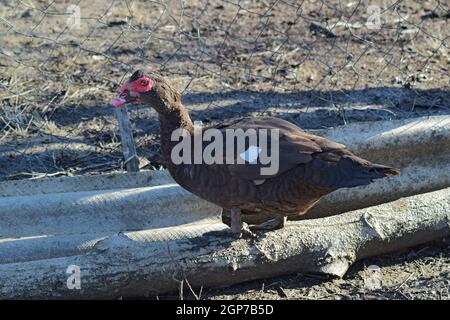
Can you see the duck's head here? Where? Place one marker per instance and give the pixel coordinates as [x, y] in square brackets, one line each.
[147, 88]
[138, 86]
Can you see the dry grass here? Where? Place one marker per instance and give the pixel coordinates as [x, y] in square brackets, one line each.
[316, 64]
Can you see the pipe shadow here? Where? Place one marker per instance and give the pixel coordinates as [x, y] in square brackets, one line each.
[309, 108]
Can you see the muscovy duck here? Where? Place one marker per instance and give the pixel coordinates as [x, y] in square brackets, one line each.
[309, 166]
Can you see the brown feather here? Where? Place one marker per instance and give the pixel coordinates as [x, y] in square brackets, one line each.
[310, 166]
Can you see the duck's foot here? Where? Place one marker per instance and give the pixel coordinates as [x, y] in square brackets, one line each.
[239, 229]
[246, 232]
[272, 224]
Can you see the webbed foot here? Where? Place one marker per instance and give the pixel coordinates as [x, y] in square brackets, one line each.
[272, 224]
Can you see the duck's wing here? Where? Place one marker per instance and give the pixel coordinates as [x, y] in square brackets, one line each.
[295, 147]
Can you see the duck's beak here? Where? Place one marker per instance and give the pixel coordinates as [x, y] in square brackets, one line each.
[127, 95]
[119, 101]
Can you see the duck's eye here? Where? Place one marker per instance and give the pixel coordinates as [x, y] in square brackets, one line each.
[144, 82]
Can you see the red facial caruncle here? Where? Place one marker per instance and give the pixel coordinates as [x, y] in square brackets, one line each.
[141, 85]
[131, 91]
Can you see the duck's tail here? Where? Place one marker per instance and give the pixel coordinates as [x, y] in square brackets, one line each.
[358, 172]
[387, 171]
[342, 169]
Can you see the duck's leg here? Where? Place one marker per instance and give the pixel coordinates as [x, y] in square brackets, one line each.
[226, 216]
[273, 224]
[239, 228]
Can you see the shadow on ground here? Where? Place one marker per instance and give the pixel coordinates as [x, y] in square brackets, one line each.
[80, 153]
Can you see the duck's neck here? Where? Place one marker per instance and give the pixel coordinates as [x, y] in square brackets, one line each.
[173, 118]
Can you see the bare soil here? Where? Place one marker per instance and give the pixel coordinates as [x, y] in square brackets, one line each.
[315, 63]
[419, 273]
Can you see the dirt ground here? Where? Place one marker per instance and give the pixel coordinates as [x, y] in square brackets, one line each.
[316, 63]
[419, 273]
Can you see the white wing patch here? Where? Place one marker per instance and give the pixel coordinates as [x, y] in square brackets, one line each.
[259, 182]
[251, 154]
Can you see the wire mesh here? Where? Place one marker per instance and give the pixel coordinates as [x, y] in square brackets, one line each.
[315, 63]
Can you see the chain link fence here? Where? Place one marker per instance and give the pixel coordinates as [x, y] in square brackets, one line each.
[315, 63]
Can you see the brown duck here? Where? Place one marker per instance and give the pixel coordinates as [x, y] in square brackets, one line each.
[309, 166]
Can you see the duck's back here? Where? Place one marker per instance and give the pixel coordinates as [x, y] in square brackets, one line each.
[309, 167]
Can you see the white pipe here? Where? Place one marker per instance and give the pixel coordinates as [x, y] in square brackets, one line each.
[131, 264]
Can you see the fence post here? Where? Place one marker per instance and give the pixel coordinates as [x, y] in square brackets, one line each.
[126, 136]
